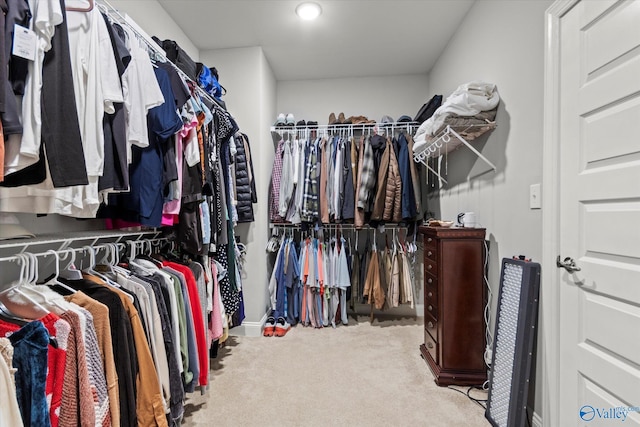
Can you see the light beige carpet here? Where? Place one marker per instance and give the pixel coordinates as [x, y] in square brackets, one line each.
[359, 375]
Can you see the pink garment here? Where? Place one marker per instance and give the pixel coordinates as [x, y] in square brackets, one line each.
[172, 208]
[216, 328]
[117, 224]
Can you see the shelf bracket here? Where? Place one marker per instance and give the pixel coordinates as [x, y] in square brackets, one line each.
[471, 147]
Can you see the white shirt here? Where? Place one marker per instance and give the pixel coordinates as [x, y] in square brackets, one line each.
[96, 87]
[23, 152]
[141, 93]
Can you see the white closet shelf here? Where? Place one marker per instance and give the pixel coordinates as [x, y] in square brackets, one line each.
[408, 126]
[451, 138]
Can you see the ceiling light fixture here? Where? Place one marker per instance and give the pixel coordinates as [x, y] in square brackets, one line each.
[308, 11]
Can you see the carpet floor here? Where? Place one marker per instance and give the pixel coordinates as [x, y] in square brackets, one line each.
[362, 374]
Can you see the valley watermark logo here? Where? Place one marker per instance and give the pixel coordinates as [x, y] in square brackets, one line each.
[589, 413]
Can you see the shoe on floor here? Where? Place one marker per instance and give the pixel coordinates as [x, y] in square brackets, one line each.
[282, 327]
[269, 327]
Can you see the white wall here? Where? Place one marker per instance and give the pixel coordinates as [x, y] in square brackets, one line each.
[509, 53]
[372, 97]
[155, 21]
[251, 92]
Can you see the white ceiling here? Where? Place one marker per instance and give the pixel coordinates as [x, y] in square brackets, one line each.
[351, 38]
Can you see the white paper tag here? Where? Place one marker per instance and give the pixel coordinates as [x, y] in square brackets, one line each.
[24, 43]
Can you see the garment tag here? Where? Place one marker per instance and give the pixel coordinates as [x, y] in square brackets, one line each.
[24, 42]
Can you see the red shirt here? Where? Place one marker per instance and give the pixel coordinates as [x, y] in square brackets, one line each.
[198, 320]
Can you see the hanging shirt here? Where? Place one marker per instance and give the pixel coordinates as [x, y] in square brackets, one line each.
[22, 152]
[141, 93]
[310, 197]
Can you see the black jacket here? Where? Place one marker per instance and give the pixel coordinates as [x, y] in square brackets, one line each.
[245, 185]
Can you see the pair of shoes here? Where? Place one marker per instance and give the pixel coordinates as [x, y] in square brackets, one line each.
[269, 327]
[283, 120]
[360, 120]
[340, 120]
[282, 327]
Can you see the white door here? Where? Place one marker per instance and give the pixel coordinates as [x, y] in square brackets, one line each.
[599, 209]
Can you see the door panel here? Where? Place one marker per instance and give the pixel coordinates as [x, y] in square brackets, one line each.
[613, 228]
[597, 127]
[599, 192]
[600, 398]
[602, 42]
[617, 378]
[606, 314]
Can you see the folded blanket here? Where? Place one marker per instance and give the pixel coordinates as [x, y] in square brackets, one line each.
[467, 100]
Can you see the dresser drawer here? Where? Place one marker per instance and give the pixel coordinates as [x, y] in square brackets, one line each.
[432, 346]
[431, 253]
[429, 243]
[431, 307]
[431, 280]
[430, 266]
[431, 326]
[431, 289]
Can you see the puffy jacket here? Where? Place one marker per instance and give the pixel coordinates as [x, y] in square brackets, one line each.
[393, 198]
[245, 184]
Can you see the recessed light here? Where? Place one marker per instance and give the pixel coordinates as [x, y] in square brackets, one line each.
[308, 11]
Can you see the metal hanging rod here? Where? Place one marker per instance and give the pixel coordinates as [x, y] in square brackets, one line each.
[72, 239]
[339, 226]
[84, 248]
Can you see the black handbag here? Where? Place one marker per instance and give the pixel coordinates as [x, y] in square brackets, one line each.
[178, 56]
[428, 109]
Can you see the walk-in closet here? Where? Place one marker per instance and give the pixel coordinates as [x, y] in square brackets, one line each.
[319, 213]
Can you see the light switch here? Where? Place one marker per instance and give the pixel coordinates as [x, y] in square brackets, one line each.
[535, 199]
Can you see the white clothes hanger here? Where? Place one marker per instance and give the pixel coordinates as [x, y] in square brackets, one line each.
[70, 272]
[28, 274]
[54, 281]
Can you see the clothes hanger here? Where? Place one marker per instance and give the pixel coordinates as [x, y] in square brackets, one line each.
[91, 271]
[54, 280]
[81, 9]
[70, 272]
[28, 275]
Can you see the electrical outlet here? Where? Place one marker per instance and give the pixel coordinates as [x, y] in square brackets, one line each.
[535, 198]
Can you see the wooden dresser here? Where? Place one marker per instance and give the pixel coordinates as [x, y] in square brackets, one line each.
[454, 301]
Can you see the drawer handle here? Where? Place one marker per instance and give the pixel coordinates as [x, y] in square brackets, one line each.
[430, 308]
[430, 325]
[429, 240]
[430, 294]
[430, 281]
[429, 267]
[429, 253]
[430, 344]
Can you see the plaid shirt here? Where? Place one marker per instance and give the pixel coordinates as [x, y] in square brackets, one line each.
[310, 203]
[276, 177]
[368, 176]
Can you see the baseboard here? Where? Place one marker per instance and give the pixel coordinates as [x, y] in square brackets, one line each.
[404, 310]
[249, 329]
[536, 420]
